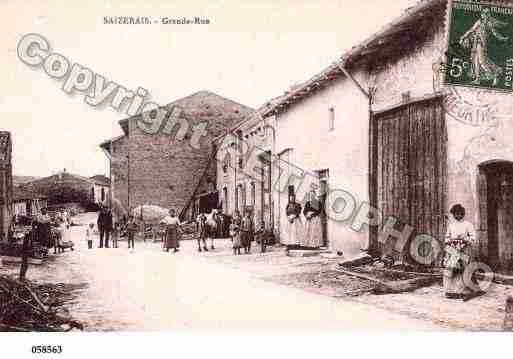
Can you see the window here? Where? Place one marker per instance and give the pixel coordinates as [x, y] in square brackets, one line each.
[243, 197]
[103, 194]
[236, 202]
[253, 193]
[225, 200]
[331, 118]
[227, 162]
[239, 148]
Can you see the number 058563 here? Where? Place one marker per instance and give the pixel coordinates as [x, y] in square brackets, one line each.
[46, 349]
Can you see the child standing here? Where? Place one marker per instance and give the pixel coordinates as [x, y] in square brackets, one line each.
[131, 228]
[261, 237]
[89, 235]
[115, 235]
[235, 234]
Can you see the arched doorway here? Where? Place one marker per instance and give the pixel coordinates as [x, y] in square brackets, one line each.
[495, 188]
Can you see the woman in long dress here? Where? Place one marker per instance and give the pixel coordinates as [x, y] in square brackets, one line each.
[458, 241]
[313, 227]
[477, 39]
[44, 228]
[172, 231]
[295, 229]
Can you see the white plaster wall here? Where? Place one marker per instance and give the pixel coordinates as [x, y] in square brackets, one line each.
[479, 122]
[304, 128]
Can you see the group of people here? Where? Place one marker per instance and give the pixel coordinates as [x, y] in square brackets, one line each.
[242, 232]
[304, 233]
[108, 231]
[43, 225]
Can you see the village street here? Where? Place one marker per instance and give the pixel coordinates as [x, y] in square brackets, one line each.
[149, 289]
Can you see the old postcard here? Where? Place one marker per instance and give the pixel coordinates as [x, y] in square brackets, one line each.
[225, 166]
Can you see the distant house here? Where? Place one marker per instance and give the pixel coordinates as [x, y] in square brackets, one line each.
[5, 182]
[101, 189]
[27, 203]
[65, 187]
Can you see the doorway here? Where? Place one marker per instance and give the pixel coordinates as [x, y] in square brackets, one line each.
[495, 184]
[408, 177]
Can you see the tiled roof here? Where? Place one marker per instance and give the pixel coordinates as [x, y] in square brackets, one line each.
[101, 179]
[20, 194]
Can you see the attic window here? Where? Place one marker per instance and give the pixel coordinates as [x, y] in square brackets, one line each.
[331, 118]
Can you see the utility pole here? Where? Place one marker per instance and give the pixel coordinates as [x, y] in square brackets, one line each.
[128, 182]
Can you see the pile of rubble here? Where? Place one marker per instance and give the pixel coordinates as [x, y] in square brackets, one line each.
[28, 307]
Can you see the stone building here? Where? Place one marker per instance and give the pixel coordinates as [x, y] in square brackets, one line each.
[244, 168]
[380, 125]
[101, 189]
[164, 166]
[5, 183]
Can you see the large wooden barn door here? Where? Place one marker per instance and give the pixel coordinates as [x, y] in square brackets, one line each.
[409, 168]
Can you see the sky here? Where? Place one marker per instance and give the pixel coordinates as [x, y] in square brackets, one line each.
[250, 52]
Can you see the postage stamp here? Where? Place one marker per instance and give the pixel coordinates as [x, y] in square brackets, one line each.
[479, 49]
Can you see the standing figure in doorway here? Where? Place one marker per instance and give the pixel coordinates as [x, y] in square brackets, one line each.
[172, 231]
[313, 226]
[295, 231]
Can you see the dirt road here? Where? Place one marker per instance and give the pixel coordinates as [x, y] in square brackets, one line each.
[148, 289]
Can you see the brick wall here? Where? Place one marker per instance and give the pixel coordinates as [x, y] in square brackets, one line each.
[165, 171]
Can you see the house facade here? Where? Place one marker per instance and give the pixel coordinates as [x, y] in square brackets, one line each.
[244, 168]
[6, 185]
[166, 168]
[65, 187]
[101, 189]
[28, 203]
[432, 145]
[378, 129]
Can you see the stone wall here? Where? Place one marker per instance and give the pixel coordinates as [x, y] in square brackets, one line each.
[164, 170]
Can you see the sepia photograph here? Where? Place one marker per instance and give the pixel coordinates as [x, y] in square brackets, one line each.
[255, 166]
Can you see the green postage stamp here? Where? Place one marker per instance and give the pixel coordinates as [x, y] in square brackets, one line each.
[480, 46]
